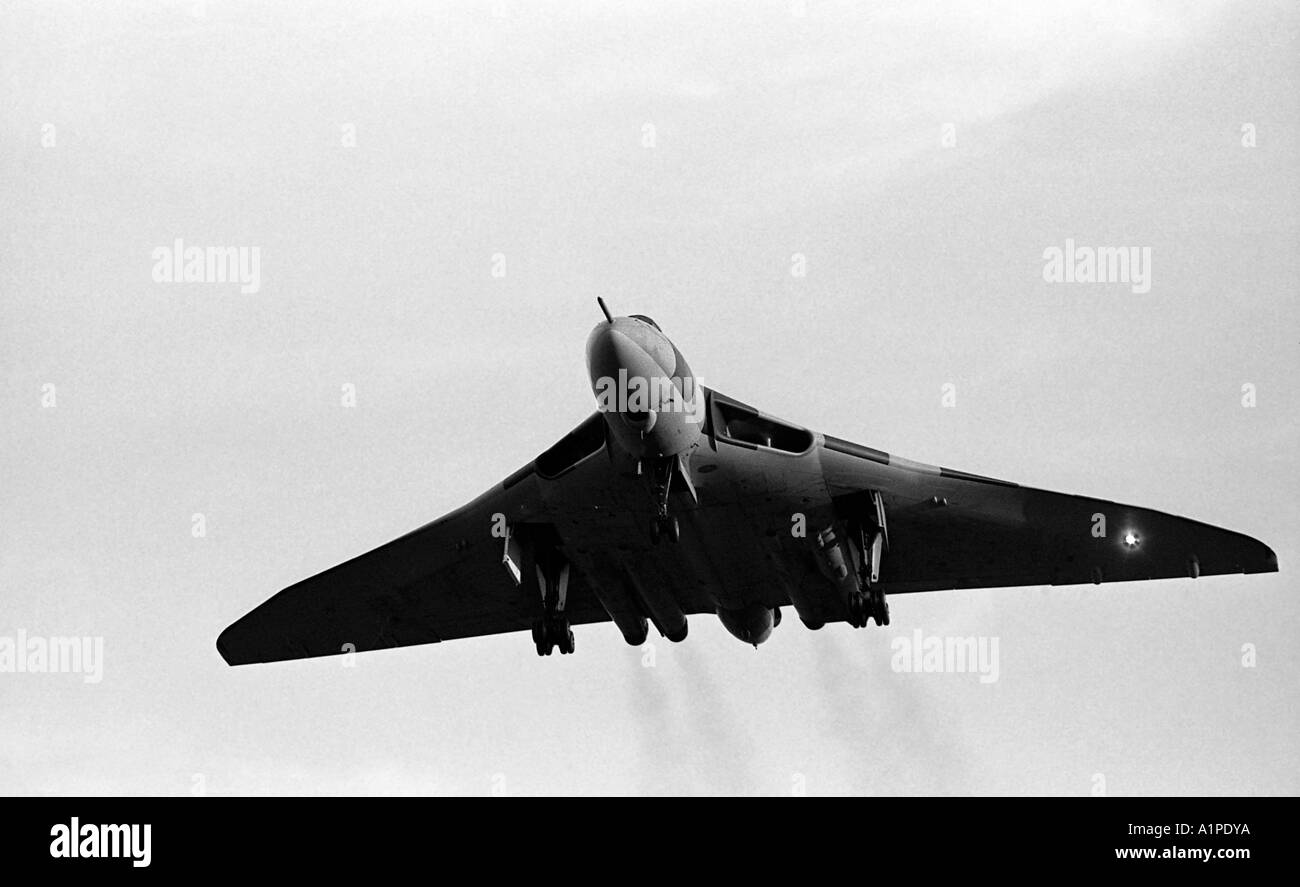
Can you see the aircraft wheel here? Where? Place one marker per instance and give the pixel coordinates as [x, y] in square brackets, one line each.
[878, 607]
[860, 610]
[674, 530]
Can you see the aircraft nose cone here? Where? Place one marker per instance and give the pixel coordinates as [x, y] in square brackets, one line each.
[612, 349]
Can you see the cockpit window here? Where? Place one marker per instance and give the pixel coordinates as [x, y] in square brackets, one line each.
[644, 319]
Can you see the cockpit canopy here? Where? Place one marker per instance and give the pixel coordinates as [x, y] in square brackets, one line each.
[644, 319]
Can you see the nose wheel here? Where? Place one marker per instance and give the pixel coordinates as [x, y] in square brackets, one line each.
[661, 473]
[665, 525]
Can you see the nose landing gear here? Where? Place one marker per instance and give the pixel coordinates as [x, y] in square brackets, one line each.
[665, 525]
[662, 471]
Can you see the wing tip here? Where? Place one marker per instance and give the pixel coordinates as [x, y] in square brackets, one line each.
[230, 651]
[1267, 559]
[223, 648]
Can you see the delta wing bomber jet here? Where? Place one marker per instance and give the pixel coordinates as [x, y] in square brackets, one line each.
[672, 501]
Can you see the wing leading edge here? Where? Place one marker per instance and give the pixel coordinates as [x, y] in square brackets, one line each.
[950, 529]
[443, 581]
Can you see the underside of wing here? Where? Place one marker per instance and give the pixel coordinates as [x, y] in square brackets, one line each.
[442, 581]
[949, 529]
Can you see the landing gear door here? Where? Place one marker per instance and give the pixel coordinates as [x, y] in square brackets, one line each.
[513, 554]
[879, 502]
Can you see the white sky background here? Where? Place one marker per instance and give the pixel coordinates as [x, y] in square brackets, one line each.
[775, 133]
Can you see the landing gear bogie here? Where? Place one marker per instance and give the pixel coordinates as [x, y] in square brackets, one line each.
[866, 605]
[553, 632]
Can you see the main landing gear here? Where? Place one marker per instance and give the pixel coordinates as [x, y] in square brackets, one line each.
[869, 601]
[552, 631]
[853, 561]
[866, 604]
[543, 574]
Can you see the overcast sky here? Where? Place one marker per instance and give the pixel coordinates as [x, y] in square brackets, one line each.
[676, 159]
